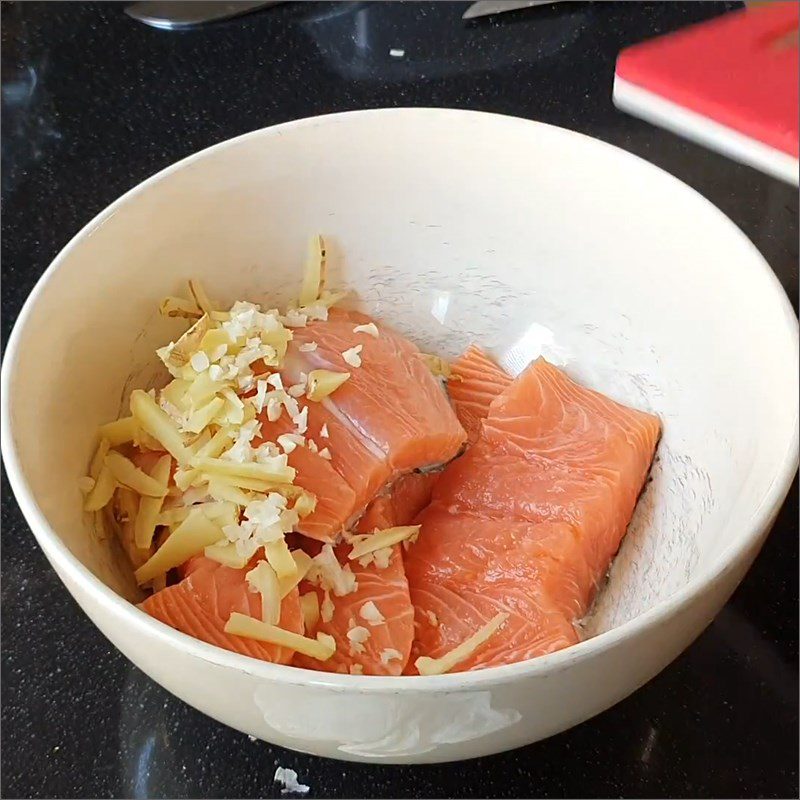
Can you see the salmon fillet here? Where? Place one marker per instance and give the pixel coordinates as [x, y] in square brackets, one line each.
[391, 417]
[528, 520]
[474, 383]
[409, 494]
[387, 649]
[387, 589]
[201, 603]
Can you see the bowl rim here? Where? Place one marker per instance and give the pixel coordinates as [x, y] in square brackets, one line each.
[129, 614]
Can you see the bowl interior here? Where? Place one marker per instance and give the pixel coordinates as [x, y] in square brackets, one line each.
[455, 227]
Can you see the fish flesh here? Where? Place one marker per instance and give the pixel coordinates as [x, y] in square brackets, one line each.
[381, 594]
[389, 418]
[201, 603]
[527, 521]
[474, 382]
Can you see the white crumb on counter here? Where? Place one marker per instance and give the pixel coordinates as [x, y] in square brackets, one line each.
[288, 777]
[397, 52]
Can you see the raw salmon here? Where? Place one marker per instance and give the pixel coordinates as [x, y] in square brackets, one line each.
[528, 520]
[474, 383]
[391, 417]
[409, 494]
[201, 603]
[387, 648]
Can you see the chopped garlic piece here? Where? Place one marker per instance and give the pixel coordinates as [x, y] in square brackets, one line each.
[150, 507]
[353, 355]
[383, 557]
[309, 607]
[390, 654]
[275, 380]
[356, 669]
[128, 474]
[323, 382]
[260, 397]
[432, 618]
[311, 445]
[370, 328]
[327, 572]
[288, 777]
[120, 431]
[240, 625]
[263, 579]
[307, 347]
[200, 361]
[323, 431]
[370, 542]
[325, 453]
[438, 666]
[297, 390]
[191, 537]
[370, 613]
[301, 420]
[289, 441]
[327, 608]
[357, 636]
[294, 319]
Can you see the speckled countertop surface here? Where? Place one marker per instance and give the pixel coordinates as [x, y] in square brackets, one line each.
[92, 104]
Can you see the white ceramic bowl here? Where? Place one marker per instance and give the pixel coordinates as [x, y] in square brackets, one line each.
[454, 226]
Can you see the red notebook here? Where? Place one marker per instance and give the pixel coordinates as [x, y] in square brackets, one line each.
[731, 83]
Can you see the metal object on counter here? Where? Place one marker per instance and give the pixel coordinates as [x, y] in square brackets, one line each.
[179, 14]
[485, 8]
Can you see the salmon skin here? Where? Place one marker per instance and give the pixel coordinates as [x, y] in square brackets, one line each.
[201, 603]
[389, 418]
[386, 650]
[528, 519]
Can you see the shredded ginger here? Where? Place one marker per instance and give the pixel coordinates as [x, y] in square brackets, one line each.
[370, 542]
[321, 648]
[438, 666]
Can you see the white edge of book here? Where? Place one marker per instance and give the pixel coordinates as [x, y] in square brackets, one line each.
[655, 109]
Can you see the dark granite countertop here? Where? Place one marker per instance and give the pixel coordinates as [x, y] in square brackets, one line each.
[92, 104]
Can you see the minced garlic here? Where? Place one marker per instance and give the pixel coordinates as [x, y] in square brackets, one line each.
[370, 329]
[352, 356]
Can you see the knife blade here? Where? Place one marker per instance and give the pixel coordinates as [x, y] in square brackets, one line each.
[485, 8]
[178, 14]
